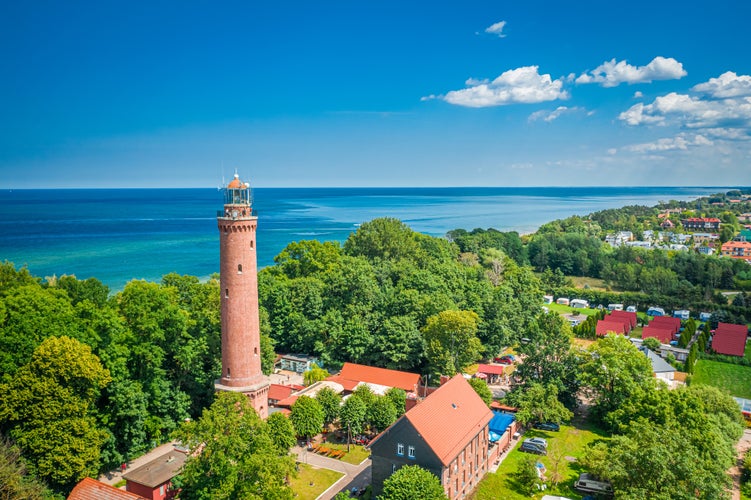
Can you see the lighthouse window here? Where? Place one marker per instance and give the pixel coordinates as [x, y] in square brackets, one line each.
[251, 243]
[239, 269]
[227, 372]
[226, 293]
[255, 351]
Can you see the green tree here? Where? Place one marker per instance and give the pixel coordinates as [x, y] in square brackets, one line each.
[652, 344]
[330, 402]
[238, 458]
[315, 374]
[399, 397]
[452, 342]
[412, 482]
[307, 416]
[281, 431]
[384, 238]
[526, 474]
[482, 390]
[613, 370]
[548, 358]
[539, 403]
[48, 409]
[381, 413]
[15, 479]
[352, 416]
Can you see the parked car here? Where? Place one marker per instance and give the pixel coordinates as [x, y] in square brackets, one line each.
[547, 426]
[538, 446]
[505, 360]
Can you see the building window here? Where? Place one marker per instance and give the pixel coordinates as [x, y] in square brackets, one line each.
[239, 269]
[411, 451]
[227, 372]
[400, 449]
[393, 468]
[251, 244]
[226, 293]
[255, 351]
[161, 490]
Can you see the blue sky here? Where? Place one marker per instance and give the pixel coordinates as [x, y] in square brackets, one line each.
[353, 93]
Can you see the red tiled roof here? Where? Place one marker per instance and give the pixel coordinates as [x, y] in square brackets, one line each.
[278, 392]
[381, 376]
[449, 418]
[495, 405]
[669, 322]
[91, 489]
[349, 385]
[611, 326]
[702, 219]
[490, 369]
[287, 402]
[664, 335]
[631, 316]
[730, 339]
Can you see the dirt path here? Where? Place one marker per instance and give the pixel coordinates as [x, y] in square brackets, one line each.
[744, 445]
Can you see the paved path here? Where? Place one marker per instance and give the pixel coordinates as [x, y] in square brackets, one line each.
[743, 447]
[114, 476]
[355, 476]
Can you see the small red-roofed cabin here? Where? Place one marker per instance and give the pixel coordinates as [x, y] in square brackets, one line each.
[154, 479]
[91, 489]
[730, 339]
[446, 434]
[605, 326]
[667, 323]
[630, 316]
[373, 375]
[492, 372]
[664, 335]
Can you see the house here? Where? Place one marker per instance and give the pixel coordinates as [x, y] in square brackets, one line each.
[298, 363]
[705, 237]
[615, 307]
[154, 479]
[667, 323]
[618, 239]
[621, 315]
[711, 223]
[664, 335]
[661, 369]
[744, 235]
[313, 390]
[730, 339]
[446, 434]
[91, 489]
[547, 299]
[278, 392]
[705, 250]
[705, 316]
[667, 224]
[737, 250]
[620, 327]
[562, 301]
[352, 374]
[492, 373]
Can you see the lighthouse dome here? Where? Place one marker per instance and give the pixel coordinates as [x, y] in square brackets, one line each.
[236, 183]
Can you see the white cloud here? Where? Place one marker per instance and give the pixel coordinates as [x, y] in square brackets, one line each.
[726, 85]
[496, 29]
[680, 142]
[520, 85]
[612, 73]
[638, 95]
[728, 134]
[549, 116]
[691, 112]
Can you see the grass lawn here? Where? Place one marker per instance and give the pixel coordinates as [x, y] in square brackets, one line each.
[587, 282]
[321, 480]
[356, 452]
[735, 378]
[570, 442]
[559, 308]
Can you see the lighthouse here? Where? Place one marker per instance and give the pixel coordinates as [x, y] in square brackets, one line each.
[241, 333]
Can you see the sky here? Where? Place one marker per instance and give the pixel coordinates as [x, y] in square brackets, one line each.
[375, 93]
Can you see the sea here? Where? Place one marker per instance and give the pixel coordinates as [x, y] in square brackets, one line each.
[117, 235]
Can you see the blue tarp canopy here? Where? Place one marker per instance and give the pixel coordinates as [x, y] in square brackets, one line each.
[499, 424]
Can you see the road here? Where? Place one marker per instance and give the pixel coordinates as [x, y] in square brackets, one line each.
[743, 446]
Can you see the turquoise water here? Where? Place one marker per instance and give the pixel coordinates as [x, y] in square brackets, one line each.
[117, 235]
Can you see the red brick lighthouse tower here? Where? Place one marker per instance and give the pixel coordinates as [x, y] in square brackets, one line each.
[241, 334]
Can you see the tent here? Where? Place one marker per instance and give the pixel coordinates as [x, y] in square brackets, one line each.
[498, 425]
